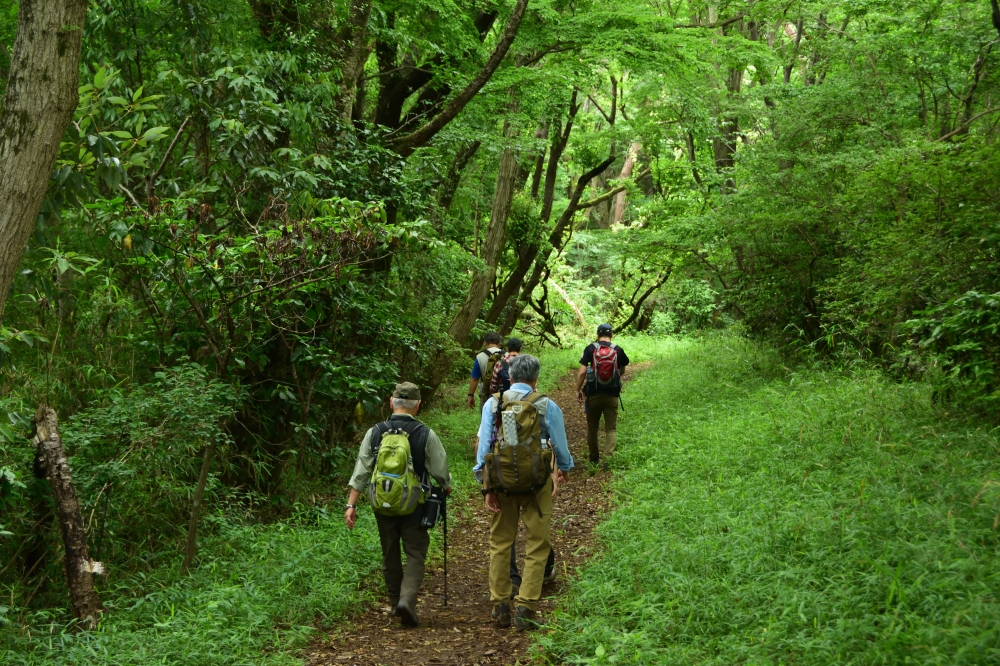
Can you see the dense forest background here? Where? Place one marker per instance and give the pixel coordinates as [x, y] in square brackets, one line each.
[264, 214]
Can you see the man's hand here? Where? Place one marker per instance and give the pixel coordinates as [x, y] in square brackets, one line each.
[350, 516]
[471, 402]
[580, 397]
[447, 491]
[562, 476]
[492, 502]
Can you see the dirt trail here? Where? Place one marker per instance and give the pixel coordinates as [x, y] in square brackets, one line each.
[462, 633]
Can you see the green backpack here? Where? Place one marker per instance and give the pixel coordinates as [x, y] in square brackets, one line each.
[520, 458]
[394, 489]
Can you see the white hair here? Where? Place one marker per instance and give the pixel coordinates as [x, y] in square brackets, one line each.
[403, 403]
[524, 368]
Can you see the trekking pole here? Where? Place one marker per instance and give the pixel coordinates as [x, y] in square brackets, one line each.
[444, 509]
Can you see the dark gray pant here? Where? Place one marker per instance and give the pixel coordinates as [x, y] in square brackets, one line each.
[515, 575]
[400, 583]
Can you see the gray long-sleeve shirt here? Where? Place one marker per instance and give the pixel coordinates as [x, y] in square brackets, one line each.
[435, 460]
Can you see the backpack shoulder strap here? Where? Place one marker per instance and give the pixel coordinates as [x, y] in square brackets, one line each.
[540, 401]
[375, 442]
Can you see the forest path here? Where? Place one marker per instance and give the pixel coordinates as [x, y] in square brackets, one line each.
[462, 633]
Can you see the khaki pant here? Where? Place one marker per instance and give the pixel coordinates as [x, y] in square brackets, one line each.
[503, 532]
[597, 405]
[399, 582]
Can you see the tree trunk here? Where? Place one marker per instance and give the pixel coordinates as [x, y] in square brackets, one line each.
[555, 242]
[37, 108]
[633, 153]
[465, 319]
[199, 492]
[79, 568]
[355, 52]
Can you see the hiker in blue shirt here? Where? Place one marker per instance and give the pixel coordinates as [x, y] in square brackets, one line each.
[534, 509]
[482, 369]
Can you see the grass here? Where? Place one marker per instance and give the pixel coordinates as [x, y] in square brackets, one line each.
[777, 517]
[259, 594]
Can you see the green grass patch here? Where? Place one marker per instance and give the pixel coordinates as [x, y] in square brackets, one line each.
[777, 517]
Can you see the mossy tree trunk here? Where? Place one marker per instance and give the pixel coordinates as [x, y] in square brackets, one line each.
[37, 108]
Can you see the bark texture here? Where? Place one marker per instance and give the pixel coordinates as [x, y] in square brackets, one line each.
[78, 567]
[37, 108]
[355, 53]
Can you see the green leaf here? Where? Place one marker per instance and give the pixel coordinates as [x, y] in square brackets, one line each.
[121, 101]
[154, 134]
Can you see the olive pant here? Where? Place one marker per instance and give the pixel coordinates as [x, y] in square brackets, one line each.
[400, 583]
[597, 405]
[503, 532]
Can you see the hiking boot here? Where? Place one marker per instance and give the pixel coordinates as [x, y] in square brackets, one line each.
[501, 614]
[393, 603]
[550, 575]
[524, 619]
[407, 615]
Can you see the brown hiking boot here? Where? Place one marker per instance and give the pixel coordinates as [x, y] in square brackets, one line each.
[501, 614]
[525, 619]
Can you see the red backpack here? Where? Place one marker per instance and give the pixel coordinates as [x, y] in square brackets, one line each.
[605, 364]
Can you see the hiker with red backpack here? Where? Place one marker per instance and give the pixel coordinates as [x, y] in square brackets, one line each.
[521, 460]
[599, 387]
[397, 460]
[482, 369]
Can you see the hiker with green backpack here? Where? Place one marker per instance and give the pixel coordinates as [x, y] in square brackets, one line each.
[398, 458]
[521, 459]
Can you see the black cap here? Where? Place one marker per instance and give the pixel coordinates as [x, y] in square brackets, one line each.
[603, 329]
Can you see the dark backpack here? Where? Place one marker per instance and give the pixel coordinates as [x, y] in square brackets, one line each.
[501, 377]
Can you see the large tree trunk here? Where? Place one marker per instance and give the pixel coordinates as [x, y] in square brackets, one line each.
[526, 254]
[78, 567]
[463, 322]
[353, 41]
[633, 153]
[37, 107]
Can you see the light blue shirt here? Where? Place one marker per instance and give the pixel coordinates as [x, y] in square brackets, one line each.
[553, 421]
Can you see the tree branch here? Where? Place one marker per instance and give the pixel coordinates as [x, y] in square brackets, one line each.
[151, 183]
[407, 144]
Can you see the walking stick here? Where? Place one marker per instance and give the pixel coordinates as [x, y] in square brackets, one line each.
[444, 510]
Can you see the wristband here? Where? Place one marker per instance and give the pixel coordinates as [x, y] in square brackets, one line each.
[472, 395]
[351, 506]
[485, 491]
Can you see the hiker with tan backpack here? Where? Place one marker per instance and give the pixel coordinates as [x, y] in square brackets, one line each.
[482, 369]
[521, 459]
[397, 460]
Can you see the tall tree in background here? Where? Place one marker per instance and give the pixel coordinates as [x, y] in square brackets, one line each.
[38, 106]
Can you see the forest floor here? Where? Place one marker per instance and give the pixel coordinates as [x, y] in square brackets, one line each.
[461, 632]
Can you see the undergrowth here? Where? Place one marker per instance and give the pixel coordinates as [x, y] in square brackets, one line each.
[769, 516]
